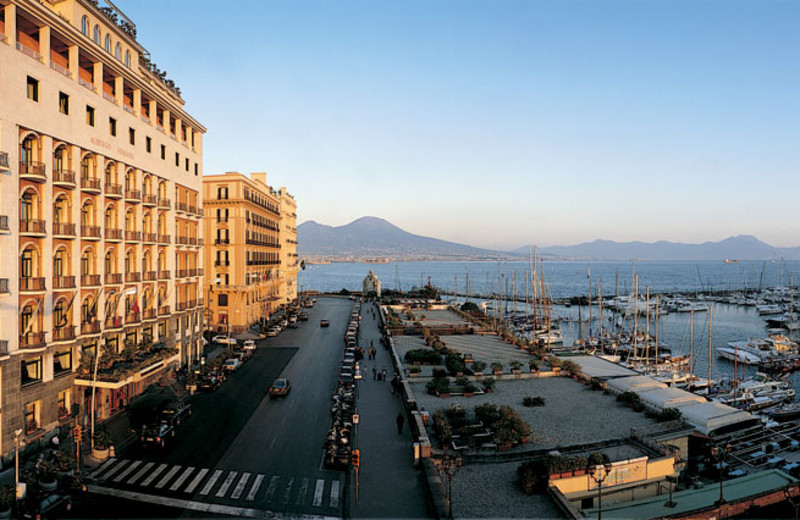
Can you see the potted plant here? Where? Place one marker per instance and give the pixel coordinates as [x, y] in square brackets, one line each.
[497, 368]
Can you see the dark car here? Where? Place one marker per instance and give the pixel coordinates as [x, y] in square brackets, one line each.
[175, 413]
[324, 323]
[156, 434]
[280, 387]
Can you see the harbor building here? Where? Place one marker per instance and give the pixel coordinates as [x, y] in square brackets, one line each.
[252, 247]
[102, 168]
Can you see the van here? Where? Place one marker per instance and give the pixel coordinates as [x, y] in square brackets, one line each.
[232, 364]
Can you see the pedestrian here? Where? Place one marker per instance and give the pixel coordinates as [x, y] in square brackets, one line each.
[400, 420]
[374, 372]
[383, 374]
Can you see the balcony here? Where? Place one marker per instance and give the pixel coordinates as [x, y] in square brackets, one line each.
[163, 204]
[32, 171]
[63, 230]
[63, 282]
[132, 318]
[150, 314]
[150, 238]
[32, 340]
[65, 333]
[114, 322]
[90, 280]
[113, 191]
[113, 235]
[163, 310]
[91, 327]
[90, 232]
[32, 284]
[133, 277]
[32, 227]
[64, 178]
[150, 276]
[90, 185]
[4, 223]
[149, 200]
[133, 196]
[163, 275]
[113, 278]
[163, 239]
[133, 236]
[180, 207]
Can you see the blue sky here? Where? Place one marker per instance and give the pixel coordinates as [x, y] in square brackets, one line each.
[501, 123]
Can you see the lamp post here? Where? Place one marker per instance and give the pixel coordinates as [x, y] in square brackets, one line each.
[720, 454]
[599, 474]
[450, 466]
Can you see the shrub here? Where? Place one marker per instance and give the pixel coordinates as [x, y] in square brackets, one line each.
[533, 401]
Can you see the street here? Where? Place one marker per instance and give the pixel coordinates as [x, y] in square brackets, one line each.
[242, 452]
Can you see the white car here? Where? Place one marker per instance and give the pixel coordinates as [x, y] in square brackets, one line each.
[249, 345]
[225, 340]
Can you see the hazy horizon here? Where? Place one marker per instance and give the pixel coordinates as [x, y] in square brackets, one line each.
[499, 124]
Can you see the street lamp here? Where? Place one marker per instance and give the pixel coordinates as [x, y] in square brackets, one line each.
[599, 474]
[450, 466]
[720, 455]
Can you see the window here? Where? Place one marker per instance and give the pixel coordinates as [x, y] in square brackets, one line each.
[63, 103]
[148, 144]
[163, 152]
[108, 44]
[85, 26]
[97, 34]
[112, 126]
[132, 135]
[62, 362]
[89, 115]
[128, 59]
[177, 159]
[32, 371]
[33, 89]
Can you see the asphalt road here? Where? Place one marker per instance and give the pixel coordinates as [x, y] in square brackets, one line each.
[266, 453]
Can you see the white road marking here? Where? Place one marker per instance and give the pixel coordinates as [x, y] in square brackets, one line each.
[178, 483]
[287, 492]
[117, 467]
[153, 475]
[171, 473]
[141, 472]
[237, 491]
[273, 485]
[225, 485]
[253, 490]
[128, 471]
[196, 480]
[319, 490]
[107, 464]
[210, 484]
[335, 493]
[301, 495]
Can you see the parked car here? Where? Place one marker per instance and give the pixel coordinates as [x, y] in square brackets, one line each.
[232, 364]
[176, 413]
[324, 323]
[210, 382]
[225, 340]
[249, 344]
[280, 387]
[156, 434]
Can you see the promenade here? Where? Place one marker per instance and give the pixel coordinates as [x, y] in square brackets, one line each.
[389, 485]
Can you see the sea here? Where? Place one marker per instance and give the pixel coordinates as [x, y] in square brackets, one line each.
[567, 279]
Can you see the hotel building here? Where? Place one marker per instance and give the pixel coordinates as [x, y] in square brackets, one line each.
[102, 168]
[252, 251]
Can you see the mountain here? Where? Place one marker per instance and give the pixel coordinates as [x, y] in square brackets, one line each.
[742, 247]
[375, 238]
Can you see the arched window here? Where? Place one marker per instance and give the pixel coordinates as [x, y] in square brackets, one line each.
[118, 52]
[128, 59]
[85, 25]
[97, 34]
[108, 44]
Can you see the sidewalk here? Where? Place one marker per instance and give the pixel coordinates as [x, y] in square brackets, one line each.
[390, 487]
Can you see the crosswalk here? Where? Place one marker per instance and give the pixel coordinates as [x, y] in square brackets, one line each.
[216, 483]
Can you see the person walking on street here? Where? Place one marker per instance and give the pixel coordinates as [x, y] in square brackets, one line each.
[400, 420]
